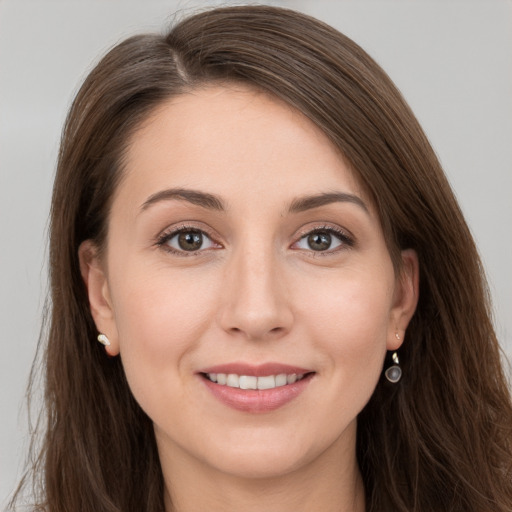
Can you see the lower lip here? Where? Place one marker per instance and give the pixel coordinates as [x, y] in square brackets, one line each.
[257, 400]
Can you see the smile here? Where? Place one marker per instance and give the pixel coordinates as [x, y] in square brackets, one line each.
[233, 380]
[256, 389]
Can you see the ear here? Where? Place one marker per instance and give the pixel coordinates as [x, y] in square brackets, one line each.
[100, 303]
[405, 299]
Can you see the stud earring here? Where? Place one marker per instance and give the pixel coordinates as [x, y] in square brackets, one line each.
[103, 340]
[394, 373]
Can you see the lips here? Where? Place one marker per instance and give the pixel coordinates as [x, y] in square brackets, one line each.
[256, 389]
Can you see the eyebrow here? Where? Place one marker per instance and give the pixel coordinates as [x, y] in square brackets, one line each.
[302, 204]
[212, 202]
[196, 197]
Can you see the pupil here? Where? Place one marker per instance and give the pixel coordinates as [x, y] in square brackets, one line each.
[319, 241]
[190, 240]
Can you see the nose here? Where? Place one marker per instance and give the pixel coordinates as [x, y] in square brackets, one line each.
[255, 303]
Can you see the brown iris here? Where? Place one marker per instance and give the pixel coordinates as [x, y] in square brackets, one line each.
[319, 241]
[190, 240]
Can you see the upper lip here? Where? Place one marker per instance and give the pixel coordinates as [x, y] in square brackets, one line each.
[260, 370]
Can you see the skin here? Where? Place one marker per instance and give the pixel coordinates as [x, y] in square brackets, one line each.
[255, 292]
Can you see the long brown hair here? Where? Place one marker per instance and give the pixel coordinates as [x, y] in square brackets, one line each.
[439, 440]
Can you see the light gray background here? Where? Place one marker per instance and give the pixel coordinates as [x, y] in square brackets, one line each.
[451, 59]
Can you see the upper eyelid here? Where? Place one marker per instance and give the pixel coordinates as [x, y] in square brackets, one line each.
[325, 227]
[184, 226]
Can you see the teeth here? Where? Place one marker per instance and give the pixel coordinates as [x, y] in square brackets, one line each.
[290, 379]
[251, 382]
[267, 382]
[247, 382]
[233, 381]
[281, 380]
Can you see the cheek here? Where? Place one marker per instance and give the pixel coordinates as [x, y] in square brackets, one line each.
[349, 319]
[160, 318]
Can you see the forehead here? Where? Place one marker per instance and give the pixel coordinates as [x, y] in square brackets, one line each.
[232, 137]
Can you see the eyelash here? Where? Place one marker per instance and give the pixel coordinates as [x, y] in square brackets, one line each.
[346, 241]
[166, 236]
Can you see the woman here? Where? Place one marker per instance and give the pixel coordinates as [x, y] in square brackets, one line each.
[264, 295]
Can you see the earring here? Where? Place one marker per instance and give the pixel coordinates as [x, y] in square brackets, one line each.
[103, 340]
[394, 373]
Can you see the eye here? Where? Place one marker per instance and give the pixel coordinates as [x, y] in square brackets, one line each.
[323, 240]
[186, 240]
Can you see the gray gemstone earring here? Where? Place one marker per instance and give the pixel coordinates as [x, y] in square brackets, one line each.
[394, 373]
[104, 340]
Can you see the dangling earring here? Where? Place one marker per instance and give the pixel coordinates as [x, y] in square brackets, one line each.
[394, 373]
[103, 340]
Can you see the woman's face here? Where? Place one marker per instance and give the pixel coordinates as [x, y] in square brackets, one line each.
[242, 251]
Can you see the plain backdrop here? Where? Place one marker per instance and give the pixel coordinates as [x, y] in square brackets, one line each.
[451, 59]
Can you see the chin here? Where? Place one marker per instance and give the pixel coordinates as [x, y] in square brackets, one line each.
[268, 456]
[261, 465]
